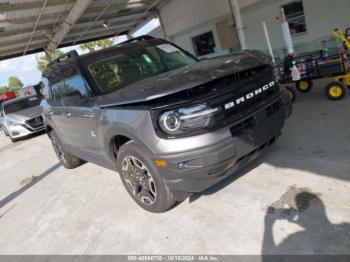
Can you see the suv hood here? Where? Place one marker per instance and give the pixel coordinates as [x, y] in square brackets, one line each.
[181, 79]
[26, 114]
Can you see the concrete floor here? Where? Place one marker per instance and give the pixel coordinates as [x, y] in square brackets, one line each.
[292, 200]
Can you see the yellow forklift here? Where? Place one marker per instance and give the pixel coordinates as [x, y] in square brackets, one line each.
[342, 82]
[318, 66]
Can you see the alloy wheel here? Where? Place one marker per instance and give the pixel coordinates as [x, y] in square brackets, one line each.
[139, 180]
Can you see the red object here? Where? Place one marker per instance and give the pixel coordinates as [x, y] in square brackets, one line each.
[7, 96]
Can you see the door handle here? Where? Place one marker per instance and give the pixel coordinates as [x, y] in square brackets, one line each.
[68, 114]
[88, 115]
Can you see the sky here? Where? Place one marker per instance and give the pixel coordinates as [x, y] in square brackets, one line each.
[25, 67]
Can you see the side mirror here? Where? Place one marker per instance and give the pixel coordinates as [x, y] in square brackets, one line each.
[73, 98]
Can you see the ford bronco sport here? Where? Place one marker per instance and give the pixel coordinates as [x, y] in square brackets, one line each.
[167, 122]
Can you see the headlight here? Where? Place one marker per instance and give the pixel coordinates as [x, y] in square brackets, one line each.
[182, 120]
[10, 122]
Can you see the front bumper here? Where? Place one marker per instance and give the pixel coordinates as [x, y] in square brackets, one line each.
[197, 170]
[20, 131]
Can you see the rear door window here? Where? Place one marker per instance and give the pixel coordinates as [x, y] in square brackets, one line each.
[70, 81]
[74, 82]
[57, 92]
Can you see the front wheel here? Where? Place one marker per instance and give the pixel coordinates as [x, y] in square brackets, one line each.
[291, 94]
[336, 90]
[68, 160]
[304, 85]
[142, 179]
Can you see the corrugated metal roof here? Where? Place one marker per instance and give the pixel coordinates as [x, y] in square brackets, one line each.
[28, 26]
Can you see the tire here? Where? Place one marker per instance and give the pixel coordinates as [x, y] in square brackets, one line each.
[336, 91]
[68, 160]
[291, 94]
[142, 180]
[304, 85]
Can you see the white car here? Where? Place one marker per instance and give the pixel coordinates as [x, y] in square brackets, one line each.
[21, 117]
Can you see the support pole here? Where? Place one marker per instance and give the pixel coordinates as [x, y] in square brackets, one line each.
[48, 54]
[161, 23]
[239, 23]
[286, 33]
[74, 14]
[268, 41]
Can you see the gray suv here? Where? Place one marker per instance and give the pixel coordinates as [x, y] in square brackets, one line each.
[168, 123]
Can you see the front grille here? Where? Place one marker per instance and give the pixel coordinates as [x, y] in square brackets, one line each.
[273, 108]
[240, 128]
[235, 81]
[260, 148]
[35, 123]
[251, 122]
[241, 89]
[223, 91]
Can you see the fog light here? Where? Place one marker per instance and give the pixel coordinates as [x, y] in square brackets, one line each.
[181, 165]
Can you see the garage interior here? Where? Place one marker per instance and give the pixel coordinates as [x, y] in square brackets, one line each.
[292, 200]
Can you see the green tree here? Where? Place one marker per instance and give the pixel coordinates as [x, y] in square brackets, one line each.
[4, 89]
[44, 60]
[14, 82]
[96, 45]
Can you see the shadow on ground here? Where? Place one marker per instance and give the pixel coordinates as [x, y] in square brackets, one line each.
[23, 189]
[318, 235]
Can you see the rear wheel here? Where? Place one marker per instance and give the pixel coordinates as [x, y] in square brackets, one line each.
[142, 179]
[304, 85]
[336, 90]
[68, 160]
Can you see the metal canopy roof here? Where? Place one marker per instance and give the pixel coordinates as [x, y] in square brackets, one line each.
[30, 26]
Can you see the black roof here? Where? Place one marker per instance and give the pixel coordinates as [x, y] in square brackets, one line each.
[86, 58]
[74, 57]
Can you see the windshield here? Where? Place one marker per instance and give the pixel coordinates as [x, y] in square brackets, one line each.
[133, 65]
[21, 105]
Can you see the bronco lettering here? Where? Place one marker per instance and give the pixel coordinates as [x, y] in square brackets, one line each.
[249, 96]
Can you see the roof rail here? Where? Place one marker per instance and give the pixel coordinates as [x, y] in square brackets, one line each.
[69, 54]
[139, 38]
